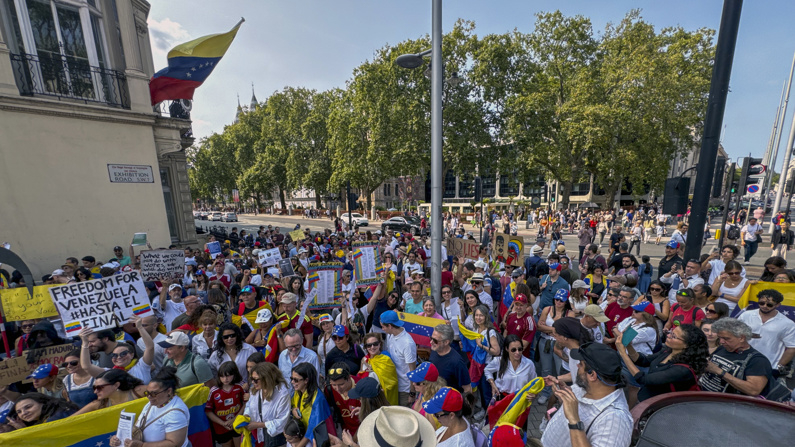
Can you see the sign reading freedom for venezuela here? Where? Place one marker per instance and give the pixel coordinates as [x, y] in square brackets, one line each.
[101, 303]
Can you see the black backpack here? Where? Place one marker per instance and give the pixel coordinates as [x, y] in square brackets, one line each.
[733, 232]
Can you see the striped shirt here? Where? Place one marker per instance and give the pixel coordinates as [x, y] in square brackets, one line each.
[607, 421]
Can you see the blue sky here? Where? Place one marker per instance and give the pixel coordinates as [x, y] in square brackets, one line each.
[317, 44]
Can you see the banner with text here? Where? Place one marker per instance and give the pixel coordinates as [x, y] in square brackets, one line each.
[367, 263]
[269, 257]
[101, 303]
[297, 235]
[156, 264]
[18, 305]
[17, 369]
[463, 248]
[325, 278]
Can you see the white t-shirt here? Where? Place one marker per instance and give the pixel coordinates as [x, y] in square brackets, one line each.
[240, 360]
[160, 352]
[170, 422]
[403, 351]
[750, 231]
[776, 334]
[172, 311]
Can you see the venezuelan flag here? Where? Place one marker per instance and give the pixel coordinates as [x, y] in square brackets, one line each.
[478, 355]
[271, 348]
[95, 428]
[420, 328]
[515, 412]
[507, 299]
[357, 254]
[71, 327]
[384, 368]
[189, 64]
[140, 310]
[749, 300]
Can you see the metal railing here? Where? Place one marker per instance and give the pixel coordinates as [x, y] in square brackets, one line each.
[65, 77]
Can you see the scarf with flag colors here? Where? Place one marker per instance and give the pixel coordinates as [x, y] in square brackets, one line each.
[749, 300]
[384, 368]
[507, 299]
[513, 408]
[476, 354]
[271, 348]
[95, 428]
[312, 416]
[420, 328]
[241, 426]
[189, 64]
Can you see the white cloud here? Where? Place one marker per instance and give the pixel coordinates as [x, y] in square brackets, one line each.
[165, 35]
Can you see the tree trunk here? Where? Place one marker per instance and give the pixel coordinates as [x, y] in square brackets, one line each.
[369, 201]
[281, 198]
[610, 195]
[317, 200]
[565, 193]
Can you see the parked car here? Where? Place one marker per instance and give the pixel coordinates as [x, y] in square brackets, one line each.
[357, 219]
[216, 216]
[400, 224]
[229, 217]
[198, 215]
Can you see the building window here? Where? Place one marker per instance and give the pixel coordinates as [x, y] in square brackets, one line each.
[449, 185]
[509, 184]
[580, 189]
[386, 190]
[168, 198]
[63, 52]
[466, 186]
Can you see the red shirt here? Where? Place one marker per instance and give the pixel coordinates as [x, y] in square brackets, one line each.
[349, 409]
[680, 316]
[447, 278]
[524, 328]
[225, 404]
[289, 323]
[225, 280]
[616, 314]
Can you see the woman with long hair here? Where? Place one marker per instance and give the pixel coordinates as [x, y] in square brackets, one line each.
[308, 403]
[114, 387]
[296, 286]
[597, 282]
[165, 417]
[201, 284]
[644, 342]
[712, 336]
[36, 408]
[427, 382]
[230, 347]
[269, 405]
[376, 363]
[675, 368]
[78, 384]
[730, 285]
[579, 298]
[371, 396]
[451, 410]
[124, 355]
[83, 274]
[662, 305]
[550, 363]
[489, 343]
[471, 301]
[507, 374]
[715, 311]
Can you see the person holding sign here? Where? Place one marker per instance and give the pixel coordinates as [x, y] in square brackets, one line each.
[124, 355]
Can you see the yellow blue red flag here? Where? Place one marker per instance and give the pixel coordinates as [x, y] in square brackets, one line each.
[749, 301]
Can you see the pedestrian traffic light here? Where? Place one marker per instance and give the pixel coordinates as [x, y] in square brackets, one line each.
[753, 171]
[478, 189]
[735, 187]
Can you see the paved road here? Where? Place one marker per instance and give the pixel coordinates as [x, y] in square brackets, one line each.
[249, 222]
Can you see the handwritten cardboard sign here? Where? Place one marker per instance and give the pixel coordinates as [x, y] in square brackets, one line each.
[297, 235]
[101, 303]
[17, 369]
[13, 370]
[18, 305]
[463, 248]
[156, 264]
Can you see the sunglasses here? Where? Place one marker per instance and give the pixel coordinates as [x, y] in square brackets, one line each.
[296, 380]
[99, 387]
[27, 326]
[516, 349]
[770, 304]
[442, 414]
[337, 338]
[119, 355]
[254, 379]
[72, 363]
[711, 311]
[335, 371]
[372, 345]
[655, 289]
[154, 393]
[732, 273]
[228, 336]
[435, 341]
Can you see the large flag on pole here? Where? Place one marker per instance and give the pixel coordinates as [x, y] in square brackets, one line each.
[189, 64]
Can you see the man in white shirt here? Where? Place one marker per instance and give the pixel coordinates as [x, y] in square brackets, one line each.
[150, 326]
[595, 411]
[748, 236]
[680, 278]
[294, 353]
[776, 332]
[403, 351]
[172, 308]
[411, 266]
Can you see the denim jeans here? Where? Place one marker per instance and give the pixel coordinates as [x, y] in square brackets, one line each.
[750, 249]
[550, 363]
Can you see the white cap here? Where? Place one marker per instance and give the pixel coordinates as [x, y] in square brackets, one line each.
[58, 272]
[480, 265]
[175, 339]
[263, 316]
[174, 286]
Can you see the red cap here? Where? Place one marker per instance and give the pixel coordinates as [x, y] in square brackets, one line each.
[521, 298]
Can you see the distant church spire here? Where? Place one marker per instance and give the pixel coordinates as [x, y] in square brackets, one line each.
[254, 101]
[239, 109]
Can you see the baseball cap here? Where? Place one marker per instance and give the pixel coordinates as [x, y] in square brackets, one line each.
[672, 244]
[644, 306]
[480, 265]
[391, 317]
[517, 273]
[555, 266]
[506, 435]
[191, 262]
[324, 318]
[579, 284]
[596, 312]
[58, 272]
[520, 298]
[118, 248]
[340, 330]
[426, 371]
[247, 289]
[44, 371]
[263, 316]
[602, 358]
[175, 339]
[289, 297]
[174, 286]
[562, 295]
[367, 387]
[446, 399]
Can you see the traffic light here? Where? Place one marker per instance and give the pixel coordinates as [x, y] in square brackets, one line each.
[790, 185]
[753, 171]
[478, 189]
[717, 181]
[735, 187]
[353, 201]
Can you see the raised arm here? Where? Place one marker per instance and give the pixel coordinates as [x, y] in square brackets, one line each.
[149, 352]
[85, 354]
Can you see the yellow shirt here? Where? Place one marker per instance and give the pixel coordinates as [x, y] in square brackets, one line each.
[306, 405]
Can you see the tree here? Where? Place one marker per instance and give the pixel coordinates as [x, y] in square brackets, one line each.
[212, 167]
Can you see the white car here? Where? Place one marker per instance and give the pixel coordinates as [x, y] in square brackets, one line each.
[356, 218]
[215, 217]
[229, 217]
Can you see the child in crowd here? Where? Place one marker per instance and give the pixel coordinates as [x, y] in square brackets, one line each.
[224, 404]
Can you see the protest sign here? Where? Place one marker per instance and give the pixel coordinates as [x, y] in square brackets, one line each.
[367, 263]
[463, 248]
[286, 268]
[18, 305]
[101, 303]
[51, 354]
[215, 249]
[325, 278]
[273, 271]
[156, 264]
[509, 249]
[297, 235]
[13, 370]
[138, 239]
[269, 257]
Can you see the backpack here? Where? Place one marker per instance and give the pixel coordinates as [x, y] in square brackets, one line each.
[733, 232]
[478, 436]
[496, 291]
[694, 387]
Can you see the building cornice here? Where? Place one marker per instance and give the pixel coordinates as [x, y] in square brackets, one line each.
[67, 109]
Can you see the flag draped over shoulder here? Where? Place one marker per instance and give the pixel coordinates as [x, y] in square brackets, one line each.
[271, 348]
[507, 299]
[478, 355]
[517, 404]
[95, 428]
[748, 300]
[189, 64]
[384, 368]
[321, 413]
[420, 328]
